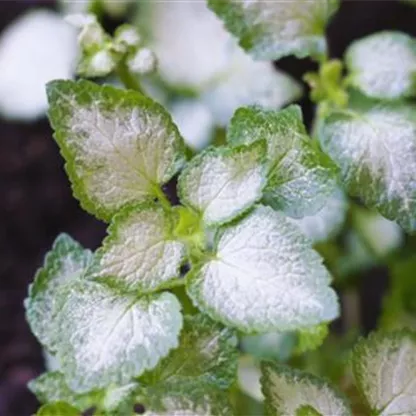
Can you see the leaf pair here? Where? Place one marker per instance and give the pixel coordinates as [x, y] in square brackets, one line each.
[120, 147]
[373, 143]
[100, 336]
[103, 339]
[272, 158]
[263, 256]
[193, 377]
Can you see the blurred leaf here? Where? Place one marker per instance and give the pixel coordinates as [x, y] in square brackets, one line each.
[384, 367]
[287, 390]
[374, 144]
[269, 30]
[51, 387]
[269, 346]
[399, 306]
[383, 65]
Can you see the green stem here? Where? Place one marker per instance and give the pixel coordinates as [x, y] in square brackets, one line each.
[320, 58]
[164, 201]
[127, 78]
[96, 7]
[354, 209]
[352, 310]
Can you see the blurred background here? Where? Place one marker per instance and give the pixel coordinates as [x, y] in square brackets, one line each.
[36, 201]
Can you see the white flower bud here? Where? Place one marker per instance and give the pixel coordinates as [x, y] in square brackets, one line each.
[129, 36]
[101, 63]
[125, 38]
[116, 8]
[142, 62]
[80, 20]
[91, 34]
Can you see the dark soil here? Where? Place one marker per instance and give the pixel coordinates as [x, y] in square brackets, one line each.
[36, 204]
[36, 201]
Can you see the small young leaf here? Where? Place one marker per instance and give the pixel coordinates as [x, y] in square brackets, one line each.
[65, 262]
[292, 392]
[140, 253]
[264, 277]
[106, 338]
[198, 400]
[307, 411]
[51, 387]
[327, 222]
[58, 409]
[384, 367]
[222, 183]
[375, 147]
[206, 355]
[311, 338]
[119, 401]
[249, 378]
[119, 146]
[300, 177]
[269, 30]
[383, 65]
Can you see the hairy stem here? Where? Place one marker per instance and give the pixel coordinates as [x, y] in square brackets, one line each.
[162, 198]
[127, 78]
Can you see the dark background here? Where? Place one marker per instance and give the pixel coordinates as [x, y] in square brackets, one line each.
[36, 201]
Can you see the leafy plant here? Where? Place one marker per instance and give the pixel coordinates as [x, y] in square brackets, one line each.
[178, 294]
